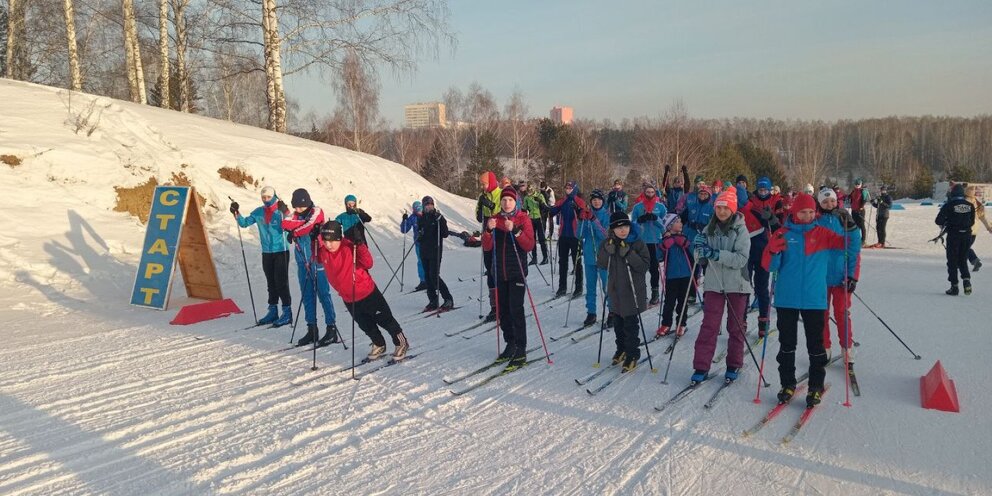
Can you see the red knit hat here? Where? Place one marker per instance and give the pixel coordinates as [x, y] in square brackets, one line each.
[727, 199]
[802, 202]
[508, 191]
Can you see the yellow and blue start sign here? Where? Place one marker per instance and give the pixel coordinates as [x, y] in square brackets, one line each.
[153, 281]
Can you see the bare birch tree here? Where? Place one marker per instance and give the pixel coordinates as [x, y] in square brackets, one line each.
[132, 52]
[163, 52]
[75, 76]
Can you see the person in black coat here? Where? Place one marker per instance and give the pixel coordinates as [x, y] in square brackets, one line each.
[882, 204]
[956, 217]
[432, 228]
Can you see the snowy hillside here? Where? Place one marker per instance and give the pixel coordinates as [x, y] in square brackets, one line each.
[98, 397]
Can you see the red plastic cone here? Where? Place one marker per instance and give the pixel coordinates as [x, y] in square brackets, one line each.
[191, 314]
[937, 391]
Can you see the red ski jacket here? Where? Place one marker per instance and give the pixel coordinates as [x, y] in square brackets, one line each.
[339, 265]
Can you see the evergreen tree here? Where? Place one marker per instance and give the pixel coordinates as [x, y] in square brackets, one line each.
[483, 158]
[727, 164]
[762, 162]
[435, 167]
[922, 183]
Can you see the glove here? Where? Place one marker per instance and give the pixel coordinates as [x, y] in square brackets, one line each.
[314, 234]
[850, 284]
[668, 167]
[405, 217]
[766, 214]
[705, 251]
[685, 170]
[356, 235]
[235, 207]
[646, 218]
[776, 244]
[624, 249]
[486, 202]
[289, 237]
[611, 246]
[282, 207]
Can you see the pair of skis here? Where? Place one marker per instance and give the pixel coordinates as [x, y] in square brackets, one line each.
[779, 408]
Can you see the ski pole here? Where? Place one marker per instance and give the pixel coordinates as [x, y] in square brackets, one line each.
[403, 263]
[847, 327]
[316, 331]
[499, 327]
[662, 266]
[245, 260]
[376, 244]
[354, 269]
[685, 307]
[407, 254]
[743, 332]
[640, 322]
[602, 327]
[540, 332]
[299, 252]
[764, 342]
[856, 295]
[482, 275]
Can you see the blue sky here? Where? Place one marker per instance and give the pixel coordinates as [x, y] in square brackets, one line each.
[783, 59]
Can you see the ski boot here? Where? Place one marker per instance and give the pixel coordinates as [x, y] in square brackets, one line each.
[698, 376]
[544, 261]
[662, 331]
[375, 352]
[309, 337]
[519, 360]
[430, 307]
[420, 287]
[618, 357]
[286, 317]
[561, 292]
[590, 320]
[330, 337]
[491, 317]
[967, 286]
[402, 346]
[448, 304]
[692, 298]
[813, 398]
[271, 316]
[655, 296]
[731, 374]
[977, 265]
[953, 291]
[630, 362]
[533, 260]
[785, 394]
[681, 332]
[577, 293]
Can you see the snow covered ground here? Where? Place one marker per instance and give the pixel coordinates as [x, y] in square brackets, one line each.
[98, 397]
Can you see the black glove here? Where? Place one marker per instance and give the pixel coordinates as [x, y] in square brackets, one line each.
[647, 218]
[774, 224]
[685, 170]
[851, 285]
[611, 246]
[668, 167]
[486, 202]
[405, 217]
[356, 234]
[766, 213]
[289, 237]
[314, 233]
[235, 207]
[282, 207]
[624, 249]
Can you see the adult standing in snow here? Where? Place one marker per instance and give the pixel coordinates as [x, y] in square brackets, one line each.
[616, 201]
[432, 228]
[843, 271]
[303, 227]
[346, 265]
[882, 206]
[800, 253]
[353, 219]
[567, 210]
[648, 215]
[549, 198]
[485, 208]
[594, 230]
[407, 224]
[626, 259]
[723, 245]
[859, 198]
[675, 195]
[536, 207]
[509, 236]
[970, 194]
[957, 218]
[763, 216]
[275, 253]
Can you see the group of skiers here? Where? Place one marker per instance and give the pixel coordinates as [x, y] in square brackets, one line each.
[723, 245]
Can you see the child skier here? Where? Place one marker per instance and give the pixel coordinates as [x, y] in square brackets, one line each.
[486, 207]
[647, 214]
[346, 265]
[593, 230]
[275, 254]
[567, 209]
[843, 272]
[626, 260]
[353, 219]
[800, 253]
[432, 228]
[409, 223]
[509, 236]
[678, 262]
[536, 207]
[724, 245]
[303, 227]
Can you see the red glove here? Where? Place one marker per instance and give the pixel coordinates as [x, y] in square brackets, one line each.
[777, 243]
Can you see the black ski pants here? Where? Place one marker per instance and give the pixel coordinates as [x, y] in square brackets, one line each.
[627, 331]
[568, 247]
[541, 240]
[371, 313]
[675, 295]
[788, 329]
[957, 248]
[653, 268]
[276, 268]
[859, 220]
[880, 223]
[511, 314]
[432, 272]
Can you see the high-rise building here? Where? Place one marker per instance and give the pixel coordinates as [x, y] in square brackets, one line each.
[562, 115]
[425, 115]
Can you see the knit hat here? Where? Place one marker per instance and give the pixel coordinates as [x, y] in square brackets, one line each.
[301, 199]
[741, 178]
[957, 189]
[826, 193]
[619, 219]
[508, 192]
[727, 199]
[803, 201]
[427, 201]
[765, 183]
[648, 184]
[668, 220]
[350, 198]
[808, 189]
[859, 181]
[331, 231]
[417, 206]
[883, 188]
[268, 191]
[596, 193]
[698, 179]
[705, 189]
